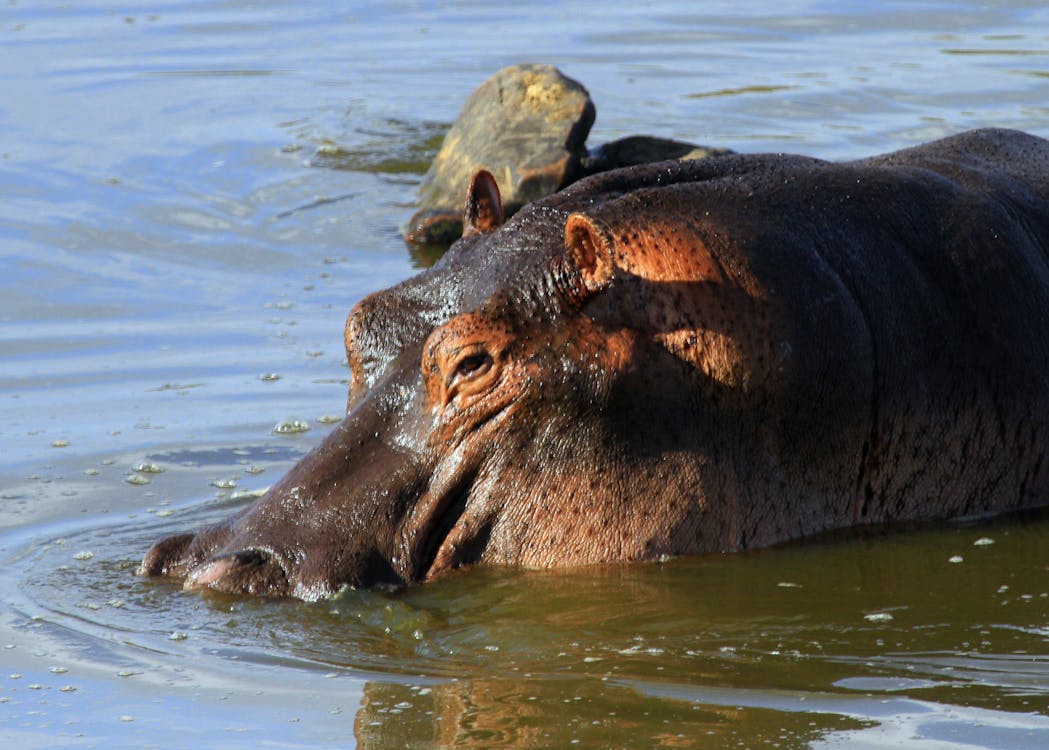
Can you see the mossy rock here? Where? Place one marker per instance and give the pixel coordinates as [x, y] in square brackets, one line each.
[527, 125]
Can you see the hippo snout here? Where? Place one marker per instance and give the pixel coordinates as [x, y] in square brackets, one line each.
[248, 571]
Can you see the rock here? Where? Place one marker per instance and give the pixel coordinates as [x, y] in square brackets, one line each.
[527, 125]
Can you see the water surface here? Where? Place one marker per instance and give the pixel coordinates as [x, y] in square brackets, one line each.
[195, 194]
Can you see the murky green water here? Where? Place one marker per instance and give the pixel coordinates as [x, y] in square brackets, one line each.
[194, 194]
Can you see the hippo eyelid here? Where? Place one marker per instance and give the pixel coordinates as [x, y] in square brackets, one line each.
[472, 362]
[468, 372]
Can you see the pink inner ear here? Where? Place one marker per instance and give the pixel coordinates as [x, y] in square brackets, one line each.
[484, 206]
[590, 247]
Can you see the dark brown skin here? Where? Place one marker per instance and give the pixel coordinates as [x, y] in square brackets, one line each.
[679, 358]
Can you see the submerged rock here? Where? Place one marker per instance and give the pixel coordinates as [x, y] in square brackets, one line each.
[527, 125]
[643, 149]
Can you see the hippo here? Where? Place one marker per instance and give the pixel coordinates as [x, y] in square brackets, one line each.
[678, 358]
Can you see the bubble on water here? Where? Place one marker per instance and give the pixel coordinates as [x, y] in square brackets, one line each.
[126, 718]
[59, 443]
[254, 469]
[178, 636]
[291, 427]
[984, 541]
[35, 686]
[788, 585]
[878, 617]
[269, 377]
[147, 467]
[91, 472]
[955, 559]
[165, 513]
[136, 479]
[329, 418]
[127, 673]
[68, 688]
[84, 555]
[224, 484]
[15, 676]
[58, 670]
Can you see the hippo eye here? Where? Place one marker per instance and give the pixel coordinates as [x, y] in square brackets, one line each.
[472, 365]
[469, 376]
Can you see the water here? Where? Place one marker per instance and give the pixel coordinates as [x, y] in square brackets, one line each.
[194, 195]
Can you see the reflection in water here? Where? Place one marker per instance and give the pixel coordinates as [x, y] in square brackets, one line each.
[743, 649]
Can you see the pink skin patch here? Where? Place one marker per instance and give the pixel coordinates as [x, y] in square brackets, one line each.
[208, 574]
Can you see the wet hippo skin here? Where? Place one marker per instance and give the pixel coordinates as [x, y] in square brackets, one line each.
[678, 358]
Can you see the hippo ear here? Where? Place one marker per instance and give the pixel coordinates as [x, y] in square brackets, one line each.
[590, 251]
[484, 207]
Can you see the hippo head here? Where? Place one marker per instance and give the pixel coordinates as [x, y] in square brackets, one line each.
[574, 386]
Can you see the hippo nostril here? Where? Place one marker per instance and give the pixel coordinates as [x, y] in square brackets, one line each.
[249, 571]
